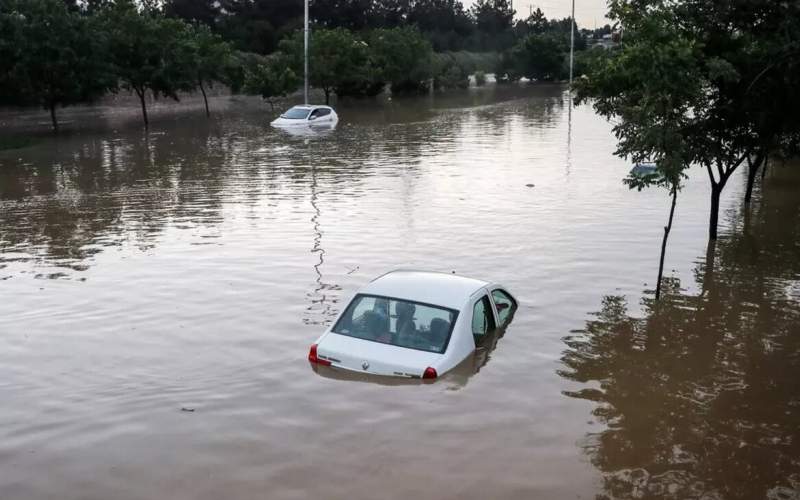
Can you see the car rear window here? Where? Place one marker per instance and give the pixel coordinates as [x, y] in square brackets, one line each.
[397, 322]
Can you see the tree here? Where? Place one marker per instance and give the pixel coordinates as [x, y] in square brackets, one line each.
[51, 56]
[150, 52]
[494, 20]
[338, 60]
[270, 78]
[448, 73]
[213, 59]
[196, 11]
[700, 65]
[402, 57]
[654, 114]
[540, 57]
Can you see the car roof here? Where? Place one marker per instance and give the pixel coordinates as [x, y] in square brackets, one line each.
[442, 289]
[311, 106]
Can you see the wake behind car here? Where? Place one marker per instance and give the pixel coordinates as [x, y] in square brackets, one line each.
[413, 324]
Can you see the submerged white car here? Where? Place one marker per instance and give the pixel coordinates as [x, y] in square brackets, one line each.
[306, 115]
[413, 324]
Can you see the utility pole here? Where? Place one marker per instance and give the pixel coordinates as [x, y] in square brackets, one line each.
[572, 45]
[305, 53]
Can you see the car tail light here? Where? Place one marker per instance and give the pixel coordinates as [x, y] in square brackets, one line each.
[429, 373]
[312, 357]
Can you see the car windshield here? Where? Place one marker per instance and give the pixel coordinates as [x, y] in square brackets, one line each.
[397, 322]
[296, 114]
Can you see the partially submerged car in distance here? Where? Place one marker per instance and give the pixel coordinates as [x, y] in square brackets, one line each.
[307, 115]
[413, 324]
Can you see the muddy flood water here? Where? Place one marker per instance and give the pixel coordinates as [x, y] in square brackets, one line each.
[159, 292]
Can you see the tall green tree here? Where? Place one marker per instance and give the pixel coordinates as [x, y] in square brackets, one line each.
[51, 56]
[540, 57]
[494, 19]
[214, 59]
[271, 78]
[338, 60]
[709, 68]
[402, 57]
[150, 53]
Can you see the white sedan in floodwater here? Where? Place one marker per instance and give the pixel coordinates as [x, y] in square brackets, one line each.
[307, 115]
[413, 324]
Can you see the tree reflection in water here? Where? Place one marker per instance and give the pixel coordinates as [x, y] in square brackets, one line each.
[700, 395]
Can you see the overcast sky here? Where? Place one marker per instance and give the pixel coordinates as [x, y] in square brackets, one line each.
[587, 12]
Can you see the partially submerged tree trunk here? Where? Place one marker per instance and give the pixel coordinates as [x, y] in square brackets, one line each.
[753, 167]
[667, 229]
[52, 107]
[140, 93]
[717, 185]
[713, 222]
[205, 99]
[327, 96]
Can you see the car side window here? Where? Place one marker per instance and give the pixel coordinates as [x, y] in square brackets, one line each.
[505, 306]
[323, 112]
[482, 318]
[314, 114]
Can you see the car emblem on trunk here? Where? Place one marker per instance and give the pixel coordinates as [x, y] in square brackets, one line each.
[364, 365]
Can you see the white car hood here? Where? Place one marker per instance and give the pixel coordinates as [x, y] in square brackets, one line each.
[374, 357]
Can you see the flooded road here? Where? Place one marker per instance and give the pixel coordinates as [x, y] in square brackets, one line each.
[191, 268]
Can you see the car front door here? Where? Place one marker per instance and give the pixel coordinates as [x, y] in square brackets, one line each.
[504, 306]
[483, 319]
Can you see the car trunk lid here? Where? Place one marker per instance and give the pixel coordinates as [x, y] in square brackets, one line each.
[374, 357]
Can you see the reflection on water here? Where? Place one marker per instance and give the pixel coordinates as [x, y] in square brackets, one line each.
[322, 306]
[700, 394]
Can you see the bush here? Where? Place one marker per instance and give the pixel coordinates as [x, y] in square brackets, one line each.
[449, 72]
[480, 78]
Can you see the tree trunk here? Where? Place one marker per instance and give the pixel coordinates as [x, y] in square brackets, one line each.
[205, 99]
[716, 191]
[144, 107]
[53, 117]
[764, 170]
[327, 97]
[667, 229]
[708, 268]
[751, 176]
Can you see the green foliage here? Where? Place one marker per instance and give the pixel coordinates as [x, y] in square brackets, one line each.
[269, 77]
[402, 57]
[50, 56]
[651, 87]
[540, 57]
[150, 52]
[449, 73]
[693, 84]
[480, 78]
[214, 58]
[587, 59]
[338, 62]
[507, 68]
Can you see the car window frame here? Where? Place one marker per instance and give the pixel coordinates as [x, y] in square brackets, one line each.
[485, 294]
[514, 304]
[446, 344]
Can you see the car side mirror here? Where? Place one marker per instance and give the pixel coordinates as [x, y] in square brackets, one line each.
[312, 117]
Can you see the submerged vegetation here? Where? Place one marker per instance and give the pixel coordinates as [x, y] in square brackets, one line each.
[56, 53]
